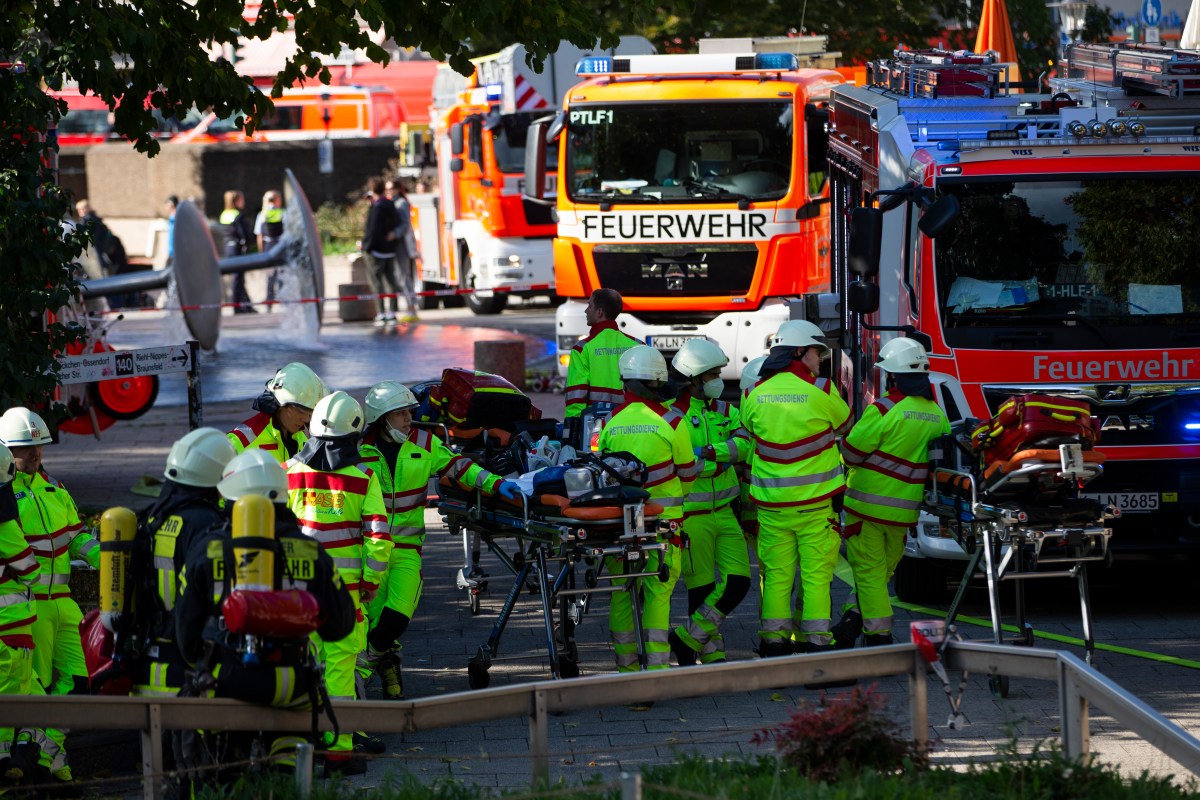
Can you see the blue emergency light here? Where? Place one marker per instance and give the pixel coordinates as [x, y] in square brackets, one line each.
[780, 61]
[594, 65]
[493, 92]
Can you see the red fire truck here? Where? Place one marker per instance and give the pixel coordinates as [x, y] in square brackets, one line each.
[1035, 243]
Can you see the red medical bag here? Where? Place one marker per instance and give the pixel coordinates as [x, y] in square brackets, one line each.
[470, 399]
[1034, 422]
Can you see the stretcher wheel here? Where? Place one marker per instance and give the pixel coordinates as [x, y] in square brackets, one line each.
[998, 685]
[477, 676]
[473, 602]
[664, 571]
[567, 668]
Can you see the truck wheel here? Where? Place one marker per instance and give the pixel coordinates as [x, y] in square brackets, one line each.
[483, 306]
[921, 580]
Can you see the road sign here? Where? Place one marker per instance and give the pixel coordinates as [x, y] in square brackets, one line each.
[1151, 12]
[90, 367]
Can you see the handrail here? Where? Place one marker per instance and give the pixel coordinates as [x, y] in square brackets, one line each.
[1078, 686]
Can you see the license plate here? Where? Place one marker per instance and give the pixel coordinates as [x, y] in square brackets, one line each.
[669, 342]
[1129, 502]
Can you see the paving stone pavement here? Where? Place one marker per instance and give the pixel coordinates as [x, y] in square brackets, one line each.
[601, 743]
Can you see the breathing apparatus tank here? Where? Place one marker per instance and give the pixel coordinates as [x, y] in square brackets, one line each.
[118, 527]
[253, 521]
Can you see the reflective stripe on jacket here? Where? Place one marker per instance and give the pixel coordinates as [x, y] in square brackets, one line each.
[260, 431]
[18, 573]
[592, 373]
[53, 530]
[715, 423]
[887, 453]
[639, 427]
[794, 420]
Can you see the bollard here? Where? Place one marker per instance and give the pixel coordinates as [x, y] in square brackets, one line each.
[631, 786]
[503, 358]
[355, 310]
[304, 770]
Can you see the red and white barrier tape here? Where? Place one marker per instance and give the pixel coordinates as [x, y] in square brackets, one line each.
[531, 287]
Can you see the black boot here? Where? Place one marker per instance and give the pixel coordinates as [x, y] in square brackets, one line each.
[878, 640]
[684, 654]
[773, 648]
[827, 648]
[847, 630]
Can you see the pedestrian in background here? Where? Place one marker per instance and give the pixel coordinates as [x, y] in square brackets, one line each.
[408, 256]
[379, 245]
[268, 229]
[170, 205]
[239, 235]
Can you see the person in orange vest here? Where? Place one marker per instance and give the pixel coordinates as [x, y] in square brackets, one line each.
[404, 459]
[794, 418]
[52, 528]
[341, 506]
[645, 427]
[284, 409]
[593, 374]
[18, 576]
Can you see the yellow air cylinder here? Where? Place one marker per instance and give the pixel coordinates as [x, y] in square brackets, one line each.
[118, 527]
[253, 517]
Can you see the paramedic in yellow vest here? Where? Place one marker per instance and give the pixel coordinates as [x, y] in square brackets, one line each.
[18, 576]
[887, 454]
[284, 409]
[645, 427]
[794, 419]
[52, 528]
[404, 459]
[593, 375]
[340, 505]
[268, 230]
[282, 676]
[716, 563]
[186, 508]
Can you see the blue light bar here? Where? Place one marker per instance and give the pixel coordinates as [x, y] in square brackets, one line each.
[949, 144]
[594, 65]
[494, 92]
[1192, 426]
[780, 61]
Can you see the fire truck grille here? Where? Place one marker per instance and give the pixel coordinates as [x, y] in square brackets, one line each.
[538, 213]
[699, 273]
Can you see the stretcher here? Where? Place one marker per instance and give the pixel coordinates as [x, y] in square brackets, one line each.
[542, 540]
[1021, 518]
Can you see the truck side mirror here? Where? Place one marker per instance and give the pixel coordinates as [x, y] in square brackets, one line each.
[456, 164]
[866, 240]
[535, 160]
[862, 297]
[456, 139]
[557, 125]
[939, 216]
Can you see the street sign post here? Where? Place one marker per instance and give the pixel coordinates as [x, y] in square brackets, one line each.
[92, 367]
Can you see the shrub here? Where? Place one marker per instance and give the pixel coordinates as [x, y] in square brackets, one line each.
[341, 226]
[848, 731]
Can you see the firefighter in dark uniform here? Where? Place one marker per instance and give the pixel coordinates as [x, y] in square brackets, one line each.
[187, 508]
[239, 656]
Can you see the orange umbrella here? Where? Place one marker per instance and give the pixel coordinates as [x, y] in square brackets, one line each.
[995, 33]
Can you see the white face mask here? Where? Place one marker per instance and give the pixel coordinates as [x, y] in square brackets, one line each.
[713, 388]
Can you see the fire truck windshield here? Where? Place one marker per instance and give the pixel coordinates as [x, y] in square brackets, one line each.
[679, 152]
[508, 142]
[1098, 253]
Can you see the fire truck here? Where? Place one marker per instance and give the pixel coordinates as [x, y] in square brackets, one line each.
[1034, 243]
[696, 186]
[490, 237]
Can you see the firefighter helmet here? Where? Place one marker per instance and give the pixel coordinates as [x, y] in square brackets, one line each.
[800, 333]
[336, 415]
[20, 427]
[903, 355]
[295, 384]
[750, 373]
[642, 363]
[199, 458]
[386, 397]
[698, 356]
[254, 472]
[8, 466]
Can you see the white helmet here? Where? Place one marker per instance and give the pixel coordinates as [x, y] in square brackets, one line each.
[254, 472]
[198, 458]
[387, 396]
[8, 466]
[336, 415]
[297, 385]
[800, 333]
[903, 355]
[750, 373]
[643, 363]
[20, 427]
[698, 356]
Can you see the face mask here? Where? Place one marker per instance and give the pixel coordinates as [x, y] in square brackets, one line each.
[713, 388]
[395, 434]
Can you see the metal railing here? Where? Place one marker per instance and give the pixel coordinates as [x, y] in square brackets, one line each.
[1078, 687]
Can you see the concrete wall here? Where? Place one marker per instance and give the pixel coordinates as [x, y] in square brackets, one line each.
[120, 182]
